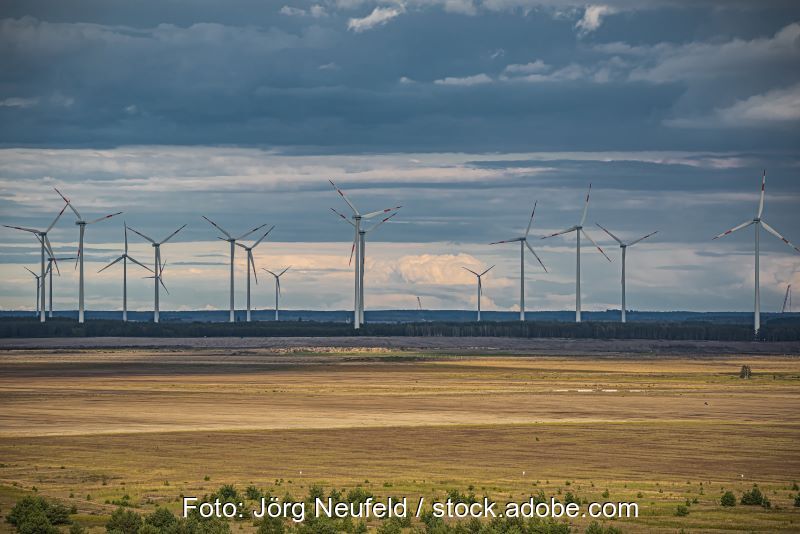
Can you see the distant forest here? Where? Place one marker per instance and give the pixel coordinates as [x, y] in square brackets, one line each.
[777, 329]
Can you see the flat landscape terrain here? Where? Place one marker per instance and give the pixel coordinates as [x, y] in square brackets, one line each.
[650, 423]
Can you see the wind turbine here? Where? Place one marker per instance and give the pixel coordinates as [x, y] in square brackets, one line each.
[38, 288]
[45, 244]
[523, 242]
[125, 257]
[480, 286]
[758, 222]
[787, 299]
[82, 226]
[232, 240]
[250, 262]
[624, 247]
[358, 248]
[277, 287]
[578, 229]
[51, 262]
[157, 267]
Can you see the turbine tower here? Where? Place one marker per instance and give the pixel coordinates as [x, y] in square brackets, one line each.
[358, 248]
[125, 257]
[277, 287]
[523, 242]
[157, 267]
[44, 244]
[252, 262]
[51, 262]
[480, 286]
[578, 229]
[82, 226]
[624, 247]
[232, 240]
[39, 288]
[758, 222]
[787, 300]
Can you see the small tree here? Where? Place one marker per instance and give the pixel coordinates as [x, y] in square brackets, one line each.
[682, 510]
[745, 372]
[728, 499]
[124, 522]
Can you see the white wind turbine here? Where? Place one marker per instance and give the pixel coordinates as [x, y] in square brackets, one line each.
[44, 244]
[252, 262]
[758, 222]
[787, 297]
[358, 248]
[277, 287]
[624, 247]
[51, 262]
[124, 258]
[232, 240]
[157, 267]
[480, 286]
[39, 288]
[82, 226]
[578, 229]
[523, 242]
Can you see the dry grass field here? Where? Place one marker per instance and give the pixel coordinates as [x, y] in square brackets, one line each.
[88, 426]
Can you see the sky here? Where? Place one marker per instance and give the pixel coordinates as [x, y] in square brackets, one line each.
[465, 112]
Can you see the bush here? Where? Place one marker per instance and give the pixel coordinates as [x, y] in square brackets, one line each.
[797, 500]
[682, 511]
[728, 499]
[34, 512]
[271, 525]
[754, 497]
[124, 522]
[161, 519]
[253, 493]
[76, 529]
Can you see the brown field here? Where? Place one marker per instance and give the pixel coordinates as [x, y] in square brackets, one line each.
[155, 424]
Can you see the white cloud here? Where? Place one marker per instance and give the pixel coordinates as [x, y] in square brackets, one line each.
[477, 79]
[290, 11]
[775, 106]
[15, 102]
[317, 11]
[593, 18]
[535, 67]
[378, 17]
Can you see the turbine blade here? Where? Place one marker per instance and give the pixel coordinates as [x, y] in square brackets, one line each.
[351, 223]
[514, 240]
[104, 217]
[570, 229]
[31, 230]
[530, 222]
[470, 270]
[735, 228]
[137, 232]
[774, 232]
[278, 284]
[380, 212]
[615, 238]
[253, 263]
[380, 223]
[352, 250]
[535, 255]
[33, 273]
[263, 237]
[761, 200]
[487, 270]
[126, 237]
[239, 245]
[586, 206]
[172, 234]
[78, 215]
[283, 271]
[270, 272]
[138, 263]
[643, 238]
[595, 244]
[161, 281]
[218, 227]
[60, 213]
[341, 193]
[251, 231]
[110, 264]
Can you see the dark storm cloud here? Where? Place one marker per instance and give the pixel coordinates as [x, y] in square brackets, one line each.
[103, 74]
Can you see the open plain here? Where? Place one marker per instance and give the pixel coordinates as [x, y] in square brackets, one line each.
[663, 428]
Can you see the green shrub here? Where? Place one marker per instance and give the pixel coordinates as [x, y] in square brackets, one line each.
[29, 509]
[124, 522]
[728, 499]
[682, 510]
[797, 500]
[754, 497]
